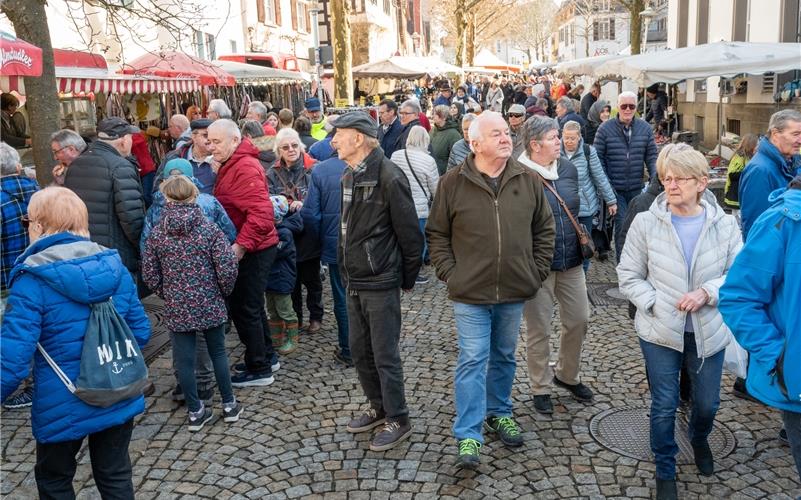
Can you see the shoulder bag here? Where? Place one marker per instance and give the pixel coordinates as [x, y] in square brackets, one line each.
[586, 244]
[429, 199]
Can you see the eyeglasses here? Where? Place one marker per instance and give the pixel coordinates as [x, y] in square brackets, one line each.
[26, 222]
[628, 106]
[515, 115]
[287, 147]
[680, 181]
[408, 113]
[56, 152]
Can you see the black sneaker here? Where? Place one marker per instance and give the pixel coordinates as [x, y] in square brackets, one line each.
[249, 379]
[666, 489]
[468, 454]
[345, 360]
[366, 421]
[704, 459]
[275, 365]
[579, 391]
[22, 399]
[543, 404]
[206, 395]
[391, 435]
[231, 413]
[197, 421]
[421, 279]
[783, 436]
[507, 430]
[178, 394]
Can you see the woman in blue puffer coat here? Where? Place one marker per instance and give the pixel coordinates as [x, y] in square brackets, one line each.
[52, 286]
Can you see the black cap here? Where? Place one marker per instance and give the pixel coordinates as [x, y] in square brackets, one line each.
[114, 128]
[358, 120]
[201, 123]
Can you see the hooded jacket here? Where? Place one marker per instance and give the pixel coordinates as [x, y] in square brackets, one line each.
[653, 275]
[265, 145]
[52, 286]
[241, 189]
[591, 178]
[321, 210]
[594, 120]
[15, 193]
[760, 302]
[442, 141]
[189, 263]
[624, 156]
[293, 182]
[109, 185]
[459, 152]
[283, 272]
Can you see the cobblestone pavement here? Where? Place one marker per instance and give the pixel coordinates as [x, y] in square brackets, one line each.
[291, 441]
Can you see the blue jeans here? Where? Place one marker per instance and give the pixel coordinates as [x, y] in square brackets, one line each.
[485, 370]
[422, 223]
[184, 346]
[340, 308]
[792, 423]
[623, 200]
[663, 366]
[587, 223]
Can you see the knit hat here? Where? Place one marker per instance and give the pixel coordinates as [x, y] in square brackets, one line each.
[177, 164]
[280, 207]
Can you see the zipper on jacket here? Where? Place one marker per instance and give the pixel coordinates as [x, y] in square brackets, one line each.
[369, 257]
[498, 275]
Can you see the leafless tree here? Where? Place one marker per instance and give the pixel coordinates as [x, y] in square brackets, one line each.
[532, 26]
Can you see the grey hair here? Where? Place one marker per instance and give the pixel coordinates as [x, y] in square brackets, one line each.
[626, 95]
[259, 108]
[780, 119]
[9, 159]
[468, 118]
[252, 129]
[572, 125]
[474, 132]
[542, 103]
[219, 107]
[442, 111]
[287, 134]
[412, 104]
[535, 129]
[180, 120]
[66, 137]
[565, 102]
[228, 126]
[418, 138]
[576, 105]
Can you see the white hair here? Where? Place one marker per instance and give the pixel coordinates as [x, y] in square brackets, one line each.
[572, 125]
[474, 132]
[66, 137]
[418, 139]
[180, 121]
[258, 108]
[626, 95]
[228, 126]
[287, 134]
[412, 105]
[219, 107]
[9, 159]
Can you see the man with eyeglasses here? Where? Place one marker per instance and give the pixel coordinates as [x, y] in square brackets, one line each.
[409, 117]
[66, 145]
[198, 154]
[625, 146]
[391, 127]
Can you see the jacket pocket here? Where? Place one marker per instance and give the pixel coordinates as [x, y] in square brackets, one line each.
[779, 374]
[369, 256]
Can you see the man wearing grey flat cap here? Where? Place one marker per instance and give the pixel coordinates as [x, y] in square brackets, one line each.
[380, 251]
[109, 184]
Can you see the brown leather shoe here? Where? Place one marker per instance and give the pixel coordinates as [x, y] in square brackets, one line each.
[314, 326]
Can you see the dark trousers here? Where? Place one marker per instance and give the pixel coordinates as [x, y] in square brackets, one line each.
[374, 320]
[111, 465]
[308, 276]
[623, 200]
[340, 308]
[184, 353]
[792, 423]
[247, 309]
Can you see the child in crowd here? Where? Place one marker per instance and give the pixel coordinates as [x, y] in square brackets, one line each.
[189, 263]
[283, 319]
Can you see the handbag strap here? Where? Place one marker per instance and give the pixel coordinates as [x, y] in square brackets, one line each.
[573, 221]
[405, 152]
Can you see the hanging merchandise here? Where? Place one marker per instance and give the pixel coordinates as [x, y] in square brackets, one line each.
[144, 107]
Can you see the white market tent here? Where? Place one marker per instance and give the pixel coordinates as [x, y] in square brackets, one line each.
[405, 67]
[487, 59]
[253, 73]
[584, 66]
[479, 70]
[724, 59]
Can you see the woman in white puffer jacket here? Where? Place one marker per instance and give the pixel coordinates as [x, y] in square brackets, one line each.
[674, 261]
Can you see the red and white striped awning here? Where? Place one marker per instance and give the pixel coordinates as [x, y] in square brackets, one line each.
[126, 85]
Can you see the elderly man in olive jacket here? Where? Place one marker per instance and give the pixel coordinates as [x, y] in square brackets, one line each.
[491, 235]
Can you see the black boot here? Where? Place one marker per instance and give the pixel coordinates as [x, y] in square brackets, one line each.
[666, 489]
[704, 459]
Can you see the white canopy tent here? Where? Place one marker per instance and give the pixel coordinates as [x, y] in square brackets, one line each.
[487, 59]
[253, 73]
[584, 66]
[405, 67]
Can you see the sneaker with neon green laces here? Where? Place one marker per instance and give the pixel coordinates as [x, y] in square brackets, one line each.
[507, 429]
[468, 454]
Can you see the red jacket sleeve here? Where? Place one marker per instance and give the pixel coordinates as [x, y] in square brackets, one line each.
[142, 153]
[253, 201]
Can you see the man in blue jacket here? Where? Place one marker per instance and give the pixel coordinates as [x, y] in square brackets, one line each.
[625, 144]
[391, 128]
[775, 163]
[760, 303]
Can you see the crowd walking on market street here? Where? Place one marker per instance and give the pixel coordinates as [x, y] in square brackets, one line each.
[506, 191]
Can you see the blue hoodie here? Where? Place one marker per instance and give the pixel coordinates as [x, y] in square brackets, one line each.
[761, 302]
[52, 285]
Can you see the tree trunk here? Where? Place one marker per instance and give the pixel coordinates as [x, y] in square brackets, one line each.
[471, 39]
[635, 27]
[340, 30]
[30, 24]
[461, 25]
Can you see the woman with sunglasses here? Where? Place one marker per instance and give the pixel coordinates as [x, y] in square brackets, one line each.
[676, 258]
[290, 176]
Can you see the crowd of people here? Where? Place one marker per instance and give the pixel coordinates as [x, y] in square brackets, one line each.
[497, 196]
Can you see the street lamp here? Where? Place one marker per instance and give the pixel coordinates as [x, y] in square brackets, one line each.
[646, 16]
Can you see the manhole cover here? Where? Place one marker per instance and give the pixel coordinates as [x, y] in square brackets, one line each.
[626, 431]
[159, 336]
[604, 294]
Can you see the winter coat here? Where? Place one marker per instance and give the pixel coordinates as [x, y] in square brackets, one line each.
[189, 263]
[760, 302]
[731, 192]
[535, 110]
[426, 170]
[307, 140]
[390, 138]
[572, 116]
[594, 120]
[267, 156]
[318, 130]
[241, 189]
[459, 152]
[13, 130]
[494, 100]
[488, 248]
[202, 172]
[442, 141]
[321, 210]
[322, 150]
[211, 208]
[656, 111]
[283, 272]
[622, 157]
[592, 179]
[293, 182]
[52, 286]
[15, 194]
[586, 103]
[383, 247]
[109, 185]
[767, 171]
[404, 134]
[441, 100]
[653, 275]
[141, 151]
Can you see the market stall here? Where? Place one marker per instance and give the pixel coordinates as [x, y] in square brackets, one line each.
[282, 88]
[488, 60]
[17, 58]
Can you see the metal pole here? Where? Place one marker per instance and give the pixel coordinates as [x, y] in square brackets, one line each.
[317, 59]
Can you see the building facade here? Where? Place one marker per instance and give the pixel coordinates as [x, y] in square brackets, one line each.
[589, 28]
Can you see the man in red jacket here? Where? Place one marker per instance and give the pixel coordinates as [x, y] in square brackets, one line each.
[241, 188]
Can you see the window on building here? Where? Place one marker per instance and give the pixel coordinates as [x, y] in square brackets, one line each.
[790, 21]
[303, 17]
[741, 14]
[198, 42]
[684, 10]
[272, 11]
[768, 83]
[561, 35]
[233, 47]
[387, 6]
[211, 46]
[260, 15]
[603, 5]
[700, 86]
[603, 29]
[702, 32]
[733, 126]
[572, 34]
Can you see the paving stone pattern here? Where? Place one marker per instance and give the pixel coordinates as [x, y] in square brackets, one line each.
[291, 441]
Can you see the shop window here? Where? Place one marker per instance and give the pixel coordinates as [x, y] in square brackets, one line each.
[733, 126]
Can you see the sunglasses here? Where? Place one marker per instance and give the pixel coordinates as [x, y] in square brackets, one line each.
[287, 147]
[515, 115]
[628, 106]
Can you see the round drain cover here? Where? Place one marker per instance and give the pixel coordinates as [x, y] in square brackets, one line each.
[614, 292]
[626, 431]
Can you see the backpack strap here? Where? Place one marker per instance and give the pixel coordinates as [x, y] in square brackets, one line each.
[59, 372]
